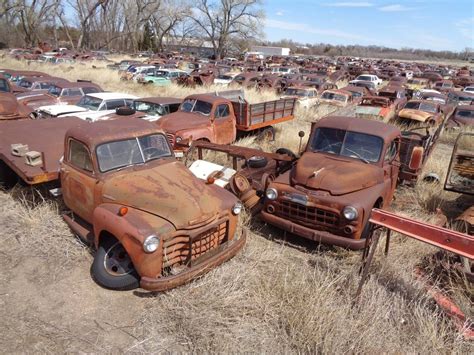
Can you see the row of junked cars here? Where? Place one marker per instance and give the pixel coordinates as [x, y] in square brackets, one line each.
[121, 164]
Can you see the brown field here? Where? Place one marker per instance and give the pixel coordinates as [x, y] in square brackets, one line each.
[279, 295]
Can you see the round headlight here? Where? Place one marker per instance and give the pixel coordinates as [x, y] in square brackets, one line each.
[237, 208]
[272, 194]
[151, 244]
[178, 139]
[350, 213]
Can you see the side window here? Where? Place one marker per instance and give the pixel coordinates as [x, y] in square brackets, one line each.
[113, 104]
[79, 155]
[74, 92]
[129, 103]
[89, 90]
[391, 151]
[173, 108]
[222, 111]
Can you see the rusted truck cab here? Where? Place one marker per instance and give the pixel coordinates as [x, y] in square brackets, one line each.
[350, 166]
[153, 223]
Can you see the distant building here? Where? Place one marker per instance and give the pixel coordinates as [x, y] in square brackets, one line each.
[269, 51]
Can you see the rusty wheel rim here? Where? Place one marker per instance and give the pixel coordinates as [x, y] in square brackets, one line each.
[117, 262]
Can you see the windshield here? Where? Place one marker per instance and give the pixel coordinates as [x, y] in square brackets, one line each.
[25, 84]
[333, 96]
[465, 113]
[54, 90]
[422, 106]
[361, 146]
[191, 105]
[119, 154]
[151, 109]
[162, 73]
[90, 103]
[297, 92]
[364, 77]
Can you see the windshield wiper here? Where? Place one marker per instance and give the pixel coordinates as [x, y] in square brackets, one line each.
[357, 155]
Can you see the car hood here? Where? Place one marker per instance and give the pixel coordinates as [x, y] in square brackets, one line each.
[169, 191]
[177, 121]
[337, 175]
[416, 115]
[55, 110]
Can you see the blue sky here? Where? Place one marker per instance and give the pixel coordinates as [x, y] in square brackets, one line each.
[427, 24]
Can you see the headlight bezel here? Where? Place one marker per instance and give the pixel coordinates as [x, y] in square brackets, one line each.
[273, 192]
[149, 242]
[237, 208]
[178, 139]
[350, 213]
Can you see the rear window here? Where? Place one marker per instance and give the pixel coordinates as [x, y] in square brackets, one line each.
[90, 90]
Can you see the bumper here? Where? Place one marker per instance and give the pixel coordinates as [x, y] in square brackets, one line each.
[308, 233]
[201, 266]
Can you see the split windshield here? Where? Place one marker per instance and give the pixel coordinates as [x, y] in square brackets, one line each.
[90, 103]
[422, 106]
[350, 144]
[333, 96]
[191, 105]
[120, 154]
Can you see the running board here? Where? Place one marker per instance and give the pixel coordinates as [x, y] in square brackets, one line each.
[443, 238]
[84, 233]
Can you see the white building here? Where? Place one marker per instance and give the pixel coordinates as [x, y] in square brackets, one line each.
[269, 51]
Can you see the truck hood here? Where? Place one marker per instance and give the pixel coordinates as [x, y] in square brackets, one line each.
[56, 110]
[337, 175]
[416, 115]
[177, 121]
[158, 191]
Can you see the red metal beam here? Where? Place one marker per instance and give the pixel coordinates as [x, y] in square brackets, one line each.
[446, 239]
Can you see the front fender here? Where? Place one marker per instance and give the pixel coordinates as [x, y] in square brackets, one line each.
[131, 230]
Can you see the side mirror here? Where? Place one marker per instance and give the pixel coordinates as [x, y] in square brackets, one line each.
[416, 158]
[301, 135]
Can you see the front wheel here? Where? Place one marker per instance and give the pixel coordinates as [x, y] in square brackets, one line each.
[112, 267]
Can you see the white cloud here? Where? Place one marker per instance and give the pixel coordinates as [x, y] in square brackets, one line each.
[350, 4]
[394, 8]
[280, 13]
[303, 27]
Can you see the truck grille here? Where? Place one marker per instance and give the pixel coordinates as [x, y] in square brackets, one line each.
[182, 250]
[306, 214]
[170, 138]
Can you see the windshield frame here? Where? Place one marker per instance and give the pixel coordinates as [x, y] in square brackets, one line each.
[343, 145]
[141, 149]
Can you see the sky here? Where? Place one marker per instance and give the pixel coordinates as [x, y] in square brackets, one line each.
[426, 24]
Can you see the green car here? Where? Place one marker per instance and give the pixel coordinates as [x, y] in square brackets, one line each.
[162, 77]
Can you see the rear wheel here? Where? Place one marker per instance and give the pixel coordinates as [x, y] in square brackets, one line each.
[112, 267]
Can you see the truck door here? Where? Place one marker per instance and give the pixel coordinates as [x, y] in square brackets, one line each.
[391, 167]
[77, 180]
[224, 125]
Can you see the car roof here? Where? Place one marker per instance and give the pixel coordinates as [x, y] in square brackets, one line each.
[161, 100]
[111, 95]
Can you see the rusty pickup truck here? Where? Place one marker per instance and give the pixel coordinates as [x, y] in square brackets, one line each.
[217, 119]
[349, 167]
[154, 224]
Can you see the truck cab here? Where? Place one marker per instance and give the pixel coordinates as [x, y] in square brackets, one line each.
[350, 166]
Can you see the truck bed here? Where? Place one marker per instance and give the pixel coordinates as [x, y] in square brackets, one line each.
[255, 116]
[44, 136]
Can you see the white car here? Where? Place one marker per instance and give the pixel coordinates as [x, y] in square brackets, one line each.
[367, 77]
[91, 107]
[305, 97]
[469, 89]
[224, 79]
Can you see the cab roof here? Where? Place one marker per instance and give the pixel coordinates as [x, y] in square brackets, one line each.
[386, 131]
[161, 100]
[95, 133]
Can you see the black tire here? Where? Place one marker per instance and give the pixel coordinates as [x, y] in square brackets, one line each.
[285, 151]
[257, 162]
[120, 276]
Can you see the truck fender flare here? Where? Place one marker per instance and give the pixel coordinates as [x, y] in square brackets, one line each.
[106, 220]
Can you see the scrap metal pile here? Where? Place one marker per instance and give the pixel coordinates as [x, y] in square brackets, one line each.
[117, 160]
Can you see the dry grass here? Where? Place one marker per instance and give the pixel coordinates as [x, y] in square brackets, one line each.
[279, 295]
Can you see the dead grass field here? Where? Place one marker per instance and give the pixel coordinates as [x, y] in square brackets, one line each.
[280, 295]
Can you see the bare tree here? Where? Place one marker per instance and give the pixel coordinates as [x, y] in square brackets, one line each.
[220, 20]
[32, 15]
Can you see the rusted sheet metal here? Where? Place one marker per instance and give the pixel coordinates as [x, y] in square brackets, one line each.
[44, 136]
[10, 109]
[442, 238]
[460, 177]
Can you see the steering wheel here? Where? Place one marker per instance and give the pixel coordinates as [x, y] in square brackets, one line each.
[150, 152]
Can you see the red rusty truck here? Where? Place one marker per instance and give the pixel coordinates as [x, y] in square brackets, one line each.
[153, 223]
[217, 119]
